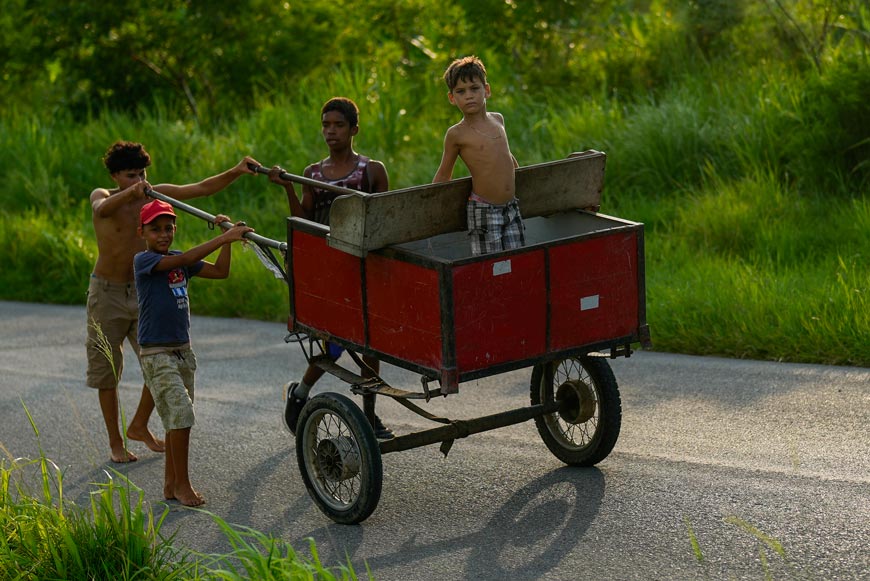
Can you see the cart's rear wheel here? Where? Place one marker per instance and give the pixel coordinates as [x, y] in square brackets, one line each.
[339, 458]
[586, 428]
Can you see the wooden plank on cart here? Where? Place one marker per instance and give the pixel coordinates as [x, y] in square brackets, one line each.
[364, 222]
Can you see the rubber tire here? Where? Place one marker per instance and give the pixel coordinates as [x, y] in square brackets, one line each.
[609, 412]
[350, 422]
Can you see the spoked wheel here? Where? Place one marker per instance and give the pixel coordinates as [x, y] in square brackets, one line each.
[585, 429]
[339, 458]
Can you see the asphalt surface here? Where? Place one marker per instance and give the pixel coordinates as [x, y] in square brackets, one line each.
[766, 466]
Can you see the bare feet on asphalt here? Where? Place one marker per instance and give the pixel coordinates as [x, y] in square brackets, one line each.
[147, 438]
[188, 497]
[122, 456]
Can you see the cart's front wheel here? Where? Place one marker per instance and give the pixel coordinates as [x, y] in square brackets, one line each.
[339, 458]
[585, 429]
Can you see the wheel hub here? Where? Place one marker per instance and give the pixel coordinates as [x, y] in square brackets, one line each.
[577, 401]
[338, 458]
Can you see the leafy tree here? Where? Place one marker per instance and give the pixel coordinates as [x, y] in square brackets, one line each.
[209, 59]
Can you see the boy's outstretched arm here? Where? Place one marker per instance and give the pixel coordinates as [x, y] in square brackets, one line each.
[297, 208]
[198, 253]
[210, 185]
[221, 266]
[448, 158]
[104, 203]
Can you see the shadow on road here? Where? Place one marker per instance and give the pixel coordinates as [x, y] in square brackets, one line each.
[523, 541]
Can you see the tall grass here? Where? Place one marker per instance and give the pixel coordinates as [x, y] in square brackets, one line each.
[117, 537]
[45, 536]
[256, 555]
[713, 306]
[754, 270]
[46, 257]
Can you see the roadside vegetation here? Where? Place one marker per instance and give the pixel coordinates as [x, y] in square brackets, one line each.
[118, 537]
[737, 132]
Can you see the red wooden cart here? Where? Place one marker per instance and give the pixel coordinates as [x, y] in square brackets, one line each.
[393, 277]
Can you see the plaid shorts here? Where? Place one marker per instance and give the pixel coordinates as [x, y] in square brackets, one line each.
[170, 378]
[494, 227]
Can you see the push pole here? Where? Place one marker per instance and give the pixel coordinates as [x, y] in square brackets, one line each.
[306, 181]
[252, 236]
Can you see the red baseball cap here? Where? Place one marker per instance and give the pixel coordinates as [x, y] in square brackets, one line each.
[153, 209]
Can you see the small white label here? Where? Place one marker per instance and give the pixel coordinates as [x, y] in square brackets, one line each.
[590, 302]
[499, 268]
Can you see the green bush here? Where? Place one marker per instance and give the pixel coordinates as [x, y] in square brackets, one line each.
[47, 258]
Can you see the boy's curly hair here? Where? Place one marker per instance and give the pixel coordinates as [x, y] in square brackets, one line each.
[344, 106]
[123, 155]
[464, 69]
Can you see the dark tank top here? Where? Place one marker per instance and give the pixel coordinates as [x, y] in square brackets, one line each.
[323, 198]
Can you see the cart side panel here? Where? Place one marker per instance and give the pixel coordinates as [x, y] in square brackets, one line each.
[593, 290]
[500, 308]
[403, 310]
[327, 286]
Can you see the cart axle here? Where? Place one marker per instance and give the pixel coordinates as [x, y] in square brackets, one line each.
[463, 428]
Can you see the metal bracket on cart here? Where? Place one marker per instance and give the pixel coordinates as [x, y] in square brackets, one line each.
[614, 352]
[302, 339]
[374, 385]
[620, 351]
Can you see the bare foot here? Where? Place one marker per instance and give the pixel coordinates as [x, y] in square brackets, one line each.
[189, 497]
[147, 438]
[122, 456]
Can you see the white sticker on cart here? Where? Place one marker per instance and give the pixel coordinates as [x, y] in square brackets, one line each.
[588, 303]
[503, 267]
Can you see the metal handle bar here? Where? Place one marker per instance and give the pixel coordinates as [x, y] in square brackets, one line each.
[252, 236]
[303, 180]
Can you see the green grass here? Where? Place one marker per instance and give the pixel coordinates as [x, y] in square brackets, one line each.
[753, 270]
[118, 537]
[43, 535]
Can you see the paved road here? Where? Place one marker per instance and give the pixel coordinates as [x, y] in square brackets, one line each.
[768, 463]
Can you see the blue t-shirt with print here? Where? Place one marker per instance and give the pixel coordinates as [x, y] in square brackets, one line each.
[164, 307]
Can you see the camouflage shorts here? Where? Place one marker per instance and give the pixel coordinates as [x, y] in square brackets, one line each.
[170, 377]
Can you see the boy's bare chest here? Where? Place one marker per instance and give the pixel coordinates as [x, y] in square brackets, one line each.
[479, 149]
[120, 226]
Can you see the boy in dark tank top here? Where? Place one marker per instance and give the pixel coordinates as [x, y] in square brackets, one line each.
[339, 121]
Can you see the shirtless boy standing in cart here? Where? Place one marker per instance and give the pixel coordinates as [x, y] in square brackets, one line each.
[346, 168]
[493, 213]
[112, 307]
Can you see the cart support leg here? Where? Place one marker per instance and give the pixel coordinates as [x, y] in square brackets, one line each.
[462, 428]
[369, 408]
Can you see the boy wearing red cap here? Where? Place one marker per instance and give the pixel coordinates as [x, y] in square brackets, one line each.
[168, 362]
[112, 308]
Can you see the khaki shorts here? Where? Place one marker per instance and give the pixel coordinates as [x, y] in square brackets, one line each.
[170, 378]
[113, 315]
